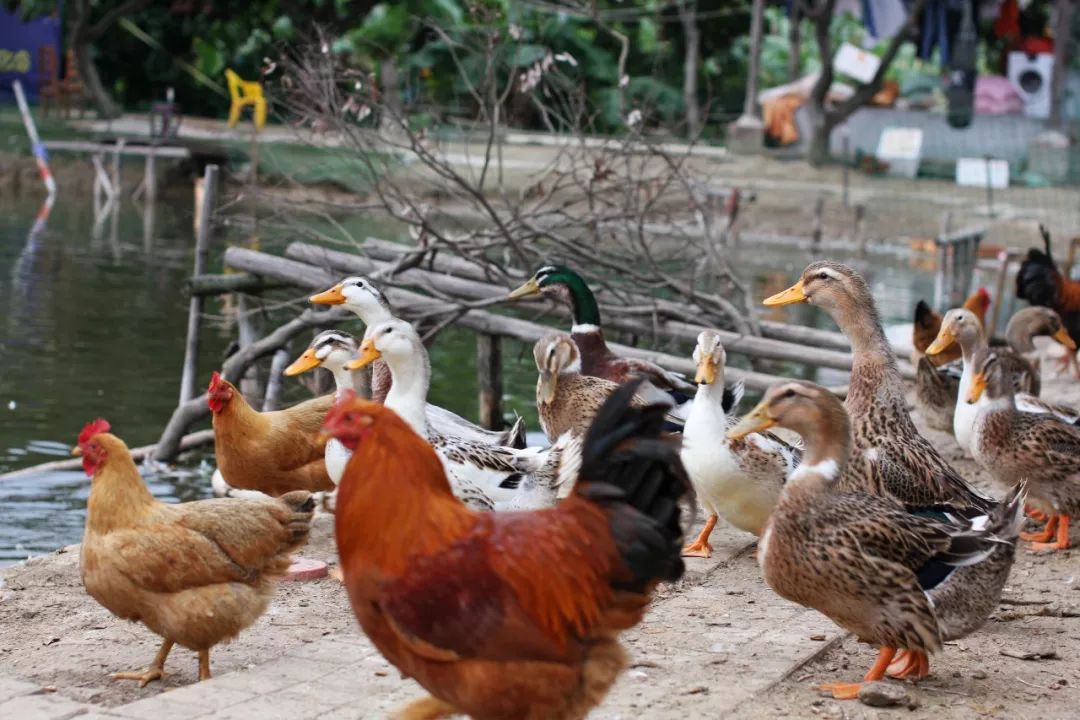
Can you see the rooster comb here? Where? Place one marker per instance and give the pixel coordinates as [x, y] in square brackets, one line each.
[92, 428]
[216, 381]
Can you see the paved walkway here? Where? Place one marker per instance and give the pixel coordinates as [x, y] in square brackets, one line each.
[707, 648]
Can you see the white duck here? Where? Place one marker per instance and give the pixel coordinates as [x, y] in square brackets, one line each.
[367, 302]
[333, 350]
[737, 479]
[512, 478]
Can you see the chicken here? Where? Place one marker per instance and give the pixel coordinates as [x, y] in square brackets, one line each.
[507, 615]
[928, 323]
[1041, 283]
[272, 452]
[195, 573]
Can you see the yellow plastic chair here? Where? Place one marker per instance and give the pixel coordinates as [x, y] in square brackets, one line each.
[245, 92]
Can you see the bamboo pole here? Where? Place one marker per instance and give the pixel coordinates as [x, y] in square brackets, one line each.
[202, 243]
[411, 304]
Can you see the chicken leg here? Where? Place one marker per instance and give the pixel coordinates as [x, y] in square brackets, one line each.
[204, 664]
[701, 547]
[428, 708]
[156, 671]
[850, 691]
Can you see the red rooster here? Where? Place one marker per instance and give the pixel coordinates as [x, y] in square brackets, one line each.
[507, 615]
[1041, 283]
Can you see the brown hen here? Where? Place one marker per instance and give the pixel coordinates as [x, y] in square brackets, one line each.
[928, 323]
[272, 452]
[195, 573]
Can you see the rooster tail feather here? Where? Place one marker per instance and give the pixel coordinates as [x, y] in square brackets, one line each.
[635, 474]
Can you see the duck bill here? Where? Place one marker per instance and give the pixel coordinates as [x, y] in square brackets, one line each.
[302, 364]
[942, 342]
[530, 288]
[545, 389]
[333, 296]
[792, 295]
[1062, 336]
[978, 385]
[756, 420]
[368, 354]
[706, 372]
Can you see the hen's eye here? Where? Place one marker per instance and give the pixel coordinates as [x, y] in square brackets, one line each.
[789, 394]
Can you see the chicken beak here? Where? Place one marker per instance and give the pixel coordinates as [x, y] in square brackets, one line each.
[792, 295]
[76, 451]
[305, 362]
[333, 296]
[368, 354]
[945, 338]
[1062, 336]
[531, 287]
[545, 390]
[706, 372]
[756, 420]
[978, 384]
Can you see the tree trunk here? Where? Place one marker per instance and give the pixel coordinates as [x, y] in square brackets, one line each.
[391, 92]
[822, 126]
[794, 62]
[756, 21]
[83, 37]
[1062, 41]
[691, 61]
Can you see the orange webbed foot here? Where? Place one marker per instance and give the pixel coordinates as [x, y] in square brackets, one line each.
[910, 665]
[1061, 542]
[1042, 535]
[701, 547]
[1036, 514]
[842, 691]
[850, 691]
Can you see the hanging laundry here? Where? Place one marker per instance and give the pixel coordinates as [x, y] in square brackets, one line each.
[883, 18]
[960, 80]
[940, 22]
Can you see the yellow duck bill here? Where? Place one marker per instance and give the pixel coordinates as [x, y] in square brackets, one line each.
[792, 295]
[978, 385]
[531, 287]
[706, 372]
[302, 364]
[333, 296]
[1063, 337]
[942, 342]
[756, 420]
[368, 354]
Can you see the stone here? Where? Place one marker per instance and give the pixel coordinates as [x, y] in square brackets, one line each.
[883, 694]
[306, 569]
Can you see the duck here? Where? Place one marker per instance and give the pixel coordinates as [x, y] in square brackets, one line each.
[739, 480]
[937, 377]
[897, 576]
[963, 328]
[333, 350]
[566, 400]
[888, 455]
[568, 287]
[507, 477]
[361, 297]
[1040, 448]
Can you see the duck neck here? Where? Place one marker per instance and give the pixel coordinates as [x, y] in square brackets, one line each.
[1018, 336]
[708, 406]
[826, 447]
[584, 307]
[971, 343]
[343, 380]
[411, 377]
[373, 313]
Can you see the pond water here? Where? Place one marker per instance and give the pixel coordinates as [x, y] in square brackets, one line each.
[92, 323]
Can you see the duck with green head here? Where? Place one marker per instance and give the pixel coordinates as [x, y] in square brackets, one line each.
[564, 285]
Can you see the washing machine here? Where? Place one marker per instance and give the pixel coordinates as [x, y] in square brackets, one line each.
[1031, 75]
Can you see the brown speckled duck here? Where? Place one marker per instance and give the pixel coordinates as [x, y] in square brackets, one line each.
[893, 575]
[889, 456]
[1041, 449]
[963, 328]
[566, 400]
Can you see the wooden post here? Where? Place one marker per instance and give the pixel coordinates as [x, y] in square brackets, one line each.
[489, 379]
[999, 292]
[1063, 39]
[116, 166]
[246, 335]
[272, 401]
[202, 247]
[860, 228]
[150, 180]
[815, 235]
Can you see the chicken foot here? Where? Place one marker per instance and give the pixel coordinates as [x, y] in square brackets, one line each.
[156, 671]
[428, 708]
[204, 664]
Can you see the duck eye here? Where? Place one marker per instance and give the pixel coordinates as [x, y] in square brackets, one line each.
[789, 393]
[823, 275]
